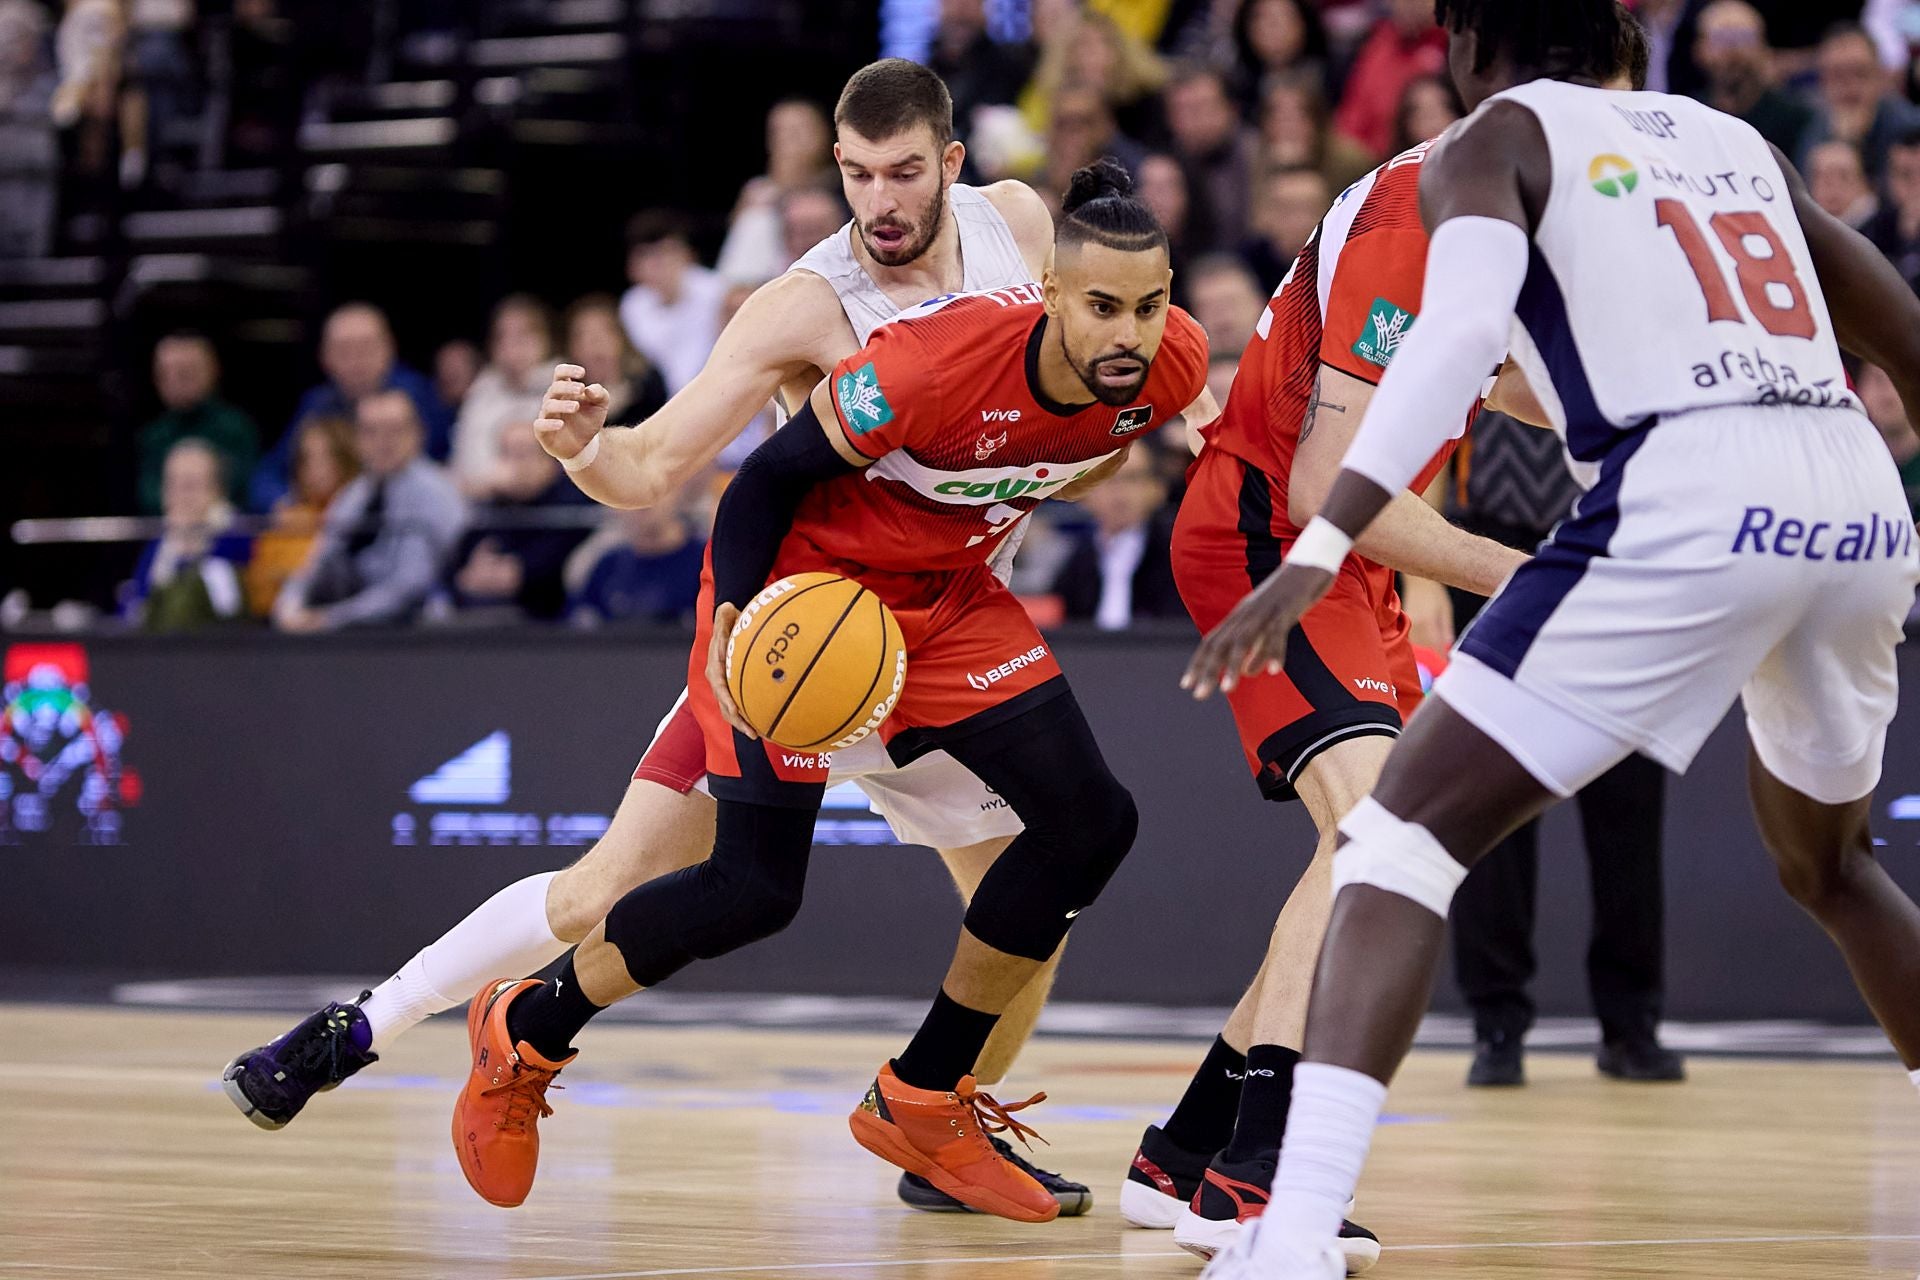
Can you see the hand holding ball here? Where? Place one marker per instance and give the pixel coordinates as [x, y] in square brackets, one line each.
[815, 663]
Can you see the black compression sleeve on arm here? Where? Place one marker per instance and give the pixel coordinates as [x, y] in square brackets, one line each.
[757, 509]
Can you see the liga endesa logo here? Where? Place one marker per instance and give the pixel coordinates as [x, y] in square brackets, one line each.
[61, 776]
[466, 801]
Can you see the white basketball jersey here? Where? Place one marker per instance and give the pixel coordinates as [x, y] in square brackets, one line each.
[1669, 270]
[989, 258]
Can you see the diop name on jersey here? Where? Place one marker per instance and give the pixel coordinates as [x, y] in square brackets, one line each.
[1775, 382]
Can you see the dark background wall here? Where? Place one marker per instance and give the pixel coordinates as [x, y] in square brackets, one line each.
[273, 777]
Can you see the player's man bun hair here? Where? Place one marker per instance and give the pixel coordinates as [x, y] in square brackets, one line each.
[1100, 207]
[1103, 178]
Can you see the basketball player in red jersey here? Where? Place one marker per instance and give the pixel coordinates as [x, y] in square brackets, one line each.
[879, 479]
[917, 233]
[1318, 730]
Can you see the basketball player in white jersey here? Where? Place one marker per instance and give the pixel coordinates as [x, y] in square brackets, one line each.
[916, 233]
[1664, 279]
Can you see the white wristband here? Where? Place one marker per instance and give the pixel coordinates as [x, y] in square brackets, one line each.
[584, 459]
[1320, 545]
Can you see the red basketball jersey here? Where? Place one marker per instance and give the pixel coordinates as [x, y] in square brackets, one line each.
[946, 400]
[1348, 301]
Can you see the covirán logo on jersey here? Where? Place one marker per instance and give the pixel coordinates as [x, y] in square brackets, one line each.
[861, 400]
[1613, 176]
[1387, 327]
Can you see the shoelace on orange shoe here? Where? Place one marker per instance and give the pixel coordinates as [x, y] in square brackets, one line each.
[994, 1116]
[527, 1085]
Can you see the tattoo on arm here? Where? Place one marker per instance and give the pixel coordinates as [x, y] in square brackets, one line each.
[1316, 404]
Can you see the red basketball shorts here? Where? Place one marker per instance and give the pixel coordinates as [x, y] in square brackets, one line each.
[1349, 669]
[974, 659]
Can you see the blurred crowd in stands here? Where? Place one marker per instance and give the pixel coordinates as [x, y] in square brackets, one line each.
[92, 91]
[400, 493]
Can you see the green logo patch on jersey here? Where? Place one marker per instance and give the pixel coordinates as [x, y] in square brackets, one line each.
[862, 403]
[1613, 176]
[1387, 326]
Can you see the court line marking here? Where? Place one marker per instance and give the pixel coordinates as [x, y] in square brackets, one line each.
[868, 1265]
[1642, 1244]
[877, 1264]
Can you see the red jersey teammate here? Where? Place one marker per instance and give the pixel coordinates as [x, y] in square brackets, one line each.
[880, 479]
[1319, 727]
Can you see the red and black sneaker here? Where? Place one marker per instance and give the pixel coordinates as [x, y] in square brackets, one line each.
[1161, 1181]
[1234, 1193]
[1231, 1192]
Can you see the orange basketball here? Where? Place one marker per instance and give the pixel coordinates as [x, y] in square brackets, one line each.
[816, 662]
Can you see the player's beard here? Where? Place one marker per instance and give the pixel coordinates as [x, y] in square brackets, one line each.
[1106, 392]
[919, 236]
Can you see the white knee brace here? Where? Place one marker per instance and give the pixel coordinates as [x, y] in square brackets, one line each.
[1400, 857]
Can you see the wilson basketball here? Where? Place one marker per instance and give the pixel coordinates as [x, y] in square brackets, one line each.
[816, 662]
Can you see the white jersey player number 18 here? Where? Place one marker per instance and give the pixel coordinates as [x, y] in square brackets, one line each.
[1785, 313]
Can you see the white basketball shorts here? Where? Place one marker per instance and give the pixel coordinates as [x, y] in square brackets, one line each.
[1764, 553]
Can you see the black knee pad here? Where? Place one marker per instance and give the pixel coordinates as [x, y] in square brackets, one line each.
[1091, 834]
[749, 889]
[1110, 841]
[747, 906]
[1054, 870]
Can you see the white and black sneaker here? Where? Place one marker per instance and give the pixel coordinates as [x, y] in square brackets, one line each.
[1161, 1181]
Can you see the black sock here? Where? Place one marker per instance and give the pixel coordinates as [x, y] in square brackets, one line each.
[946, 1046]
[1264, 1101]
[552, 1014]
[1203, 1121]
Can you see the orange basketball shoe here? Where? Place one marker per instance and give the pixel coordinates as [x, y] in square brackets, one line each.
[943, 1137]
[496, 1122]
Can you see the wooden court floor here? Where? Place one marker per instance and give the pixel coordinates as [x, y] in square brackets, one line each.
[721, 1153]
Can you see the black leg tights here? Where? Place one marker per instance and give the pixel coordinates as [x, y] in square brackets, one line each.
[1080, 824]
[748, 890]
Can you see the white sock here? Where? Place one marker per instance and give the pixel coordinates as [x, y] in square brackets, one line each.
[507, 936]
[1329, 1129]
[1915, 1077]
